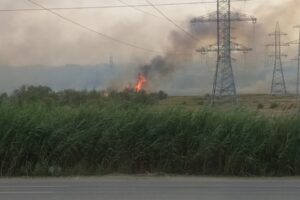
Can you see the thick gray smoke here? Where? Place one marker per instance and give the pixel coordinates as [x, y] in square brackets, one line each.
[253, 70]
[179, 55]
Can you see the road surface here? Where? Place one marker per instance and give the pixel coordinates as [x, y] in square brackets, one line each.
[150, 188]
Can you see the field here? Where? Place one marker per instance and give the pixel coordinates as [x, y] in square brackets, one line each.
[43, 133]
[47, 133]
[256, 102]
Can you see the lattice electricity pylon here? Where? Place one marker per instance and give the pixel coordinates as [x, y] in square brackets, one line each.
[278, 86]
[111, 62]
[297, 42]
[224, 83]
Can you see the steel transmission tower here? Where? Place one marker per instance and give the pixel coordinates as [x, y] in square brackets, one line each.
[224, 83]
[111, 62]
[297, 42]
[278, 86]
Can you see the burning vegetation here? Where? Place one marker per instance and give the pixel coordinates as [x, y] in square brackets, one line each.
[151, 74]
[141, 83]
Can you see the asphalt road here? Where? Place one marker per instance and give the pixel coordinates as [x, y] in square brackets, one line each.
[150, 188]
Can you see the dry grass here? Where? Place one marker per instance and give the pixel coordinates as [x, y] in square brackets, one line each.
[262, 103]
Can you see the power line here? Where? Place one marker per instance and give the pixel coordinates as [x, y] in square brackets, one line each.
[144, 12]
[103, 7]
[99, 33]
[111, 6]
[171, 21]
[41, 7]
[94, 31]
[140, 10]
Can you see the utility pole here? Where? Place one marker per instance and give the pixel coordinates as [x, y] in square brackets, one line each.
[224, 86]
[297, 42]
[111, 62]
[298, 68]
[278, 86]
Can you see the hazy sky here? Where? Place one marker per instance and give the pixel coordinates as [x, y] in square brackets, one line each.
[40, 38]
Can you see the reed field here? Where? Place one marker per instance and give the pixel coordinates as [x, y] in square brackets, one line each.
[42, 139]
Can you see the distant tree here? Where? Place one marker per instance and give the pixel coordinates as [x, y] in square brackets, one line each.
[162, 95]
[44, 94]
[3, 97]
[260, 106]
[274, 105]
[27, 94]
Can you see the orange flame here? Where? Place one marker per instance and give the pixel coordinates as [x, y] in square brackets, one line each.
[141, 82]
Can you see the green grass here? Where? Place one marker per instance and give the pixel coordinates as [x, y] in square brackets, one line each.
[122, 138]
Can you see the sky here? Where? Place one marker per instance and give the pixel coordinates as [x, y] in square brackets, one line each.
[38, 41]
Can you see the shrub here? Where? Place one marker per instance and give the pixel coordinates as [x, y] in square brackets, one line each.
[274, 105]
[200, 103]
[260, 106]
[43, 94]
[161, 95]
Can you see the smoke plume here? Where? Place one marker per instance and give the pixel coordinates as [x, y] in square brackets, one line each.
[41, 39]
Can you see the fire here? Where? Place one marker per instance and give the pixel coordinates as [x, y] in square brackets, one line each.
[141, 82]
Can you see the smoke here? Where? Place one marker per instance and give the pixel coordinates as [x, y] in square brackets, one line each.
[251, 72]
[38, 38]
[159, 66]
[181, 57]
[179, 54]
